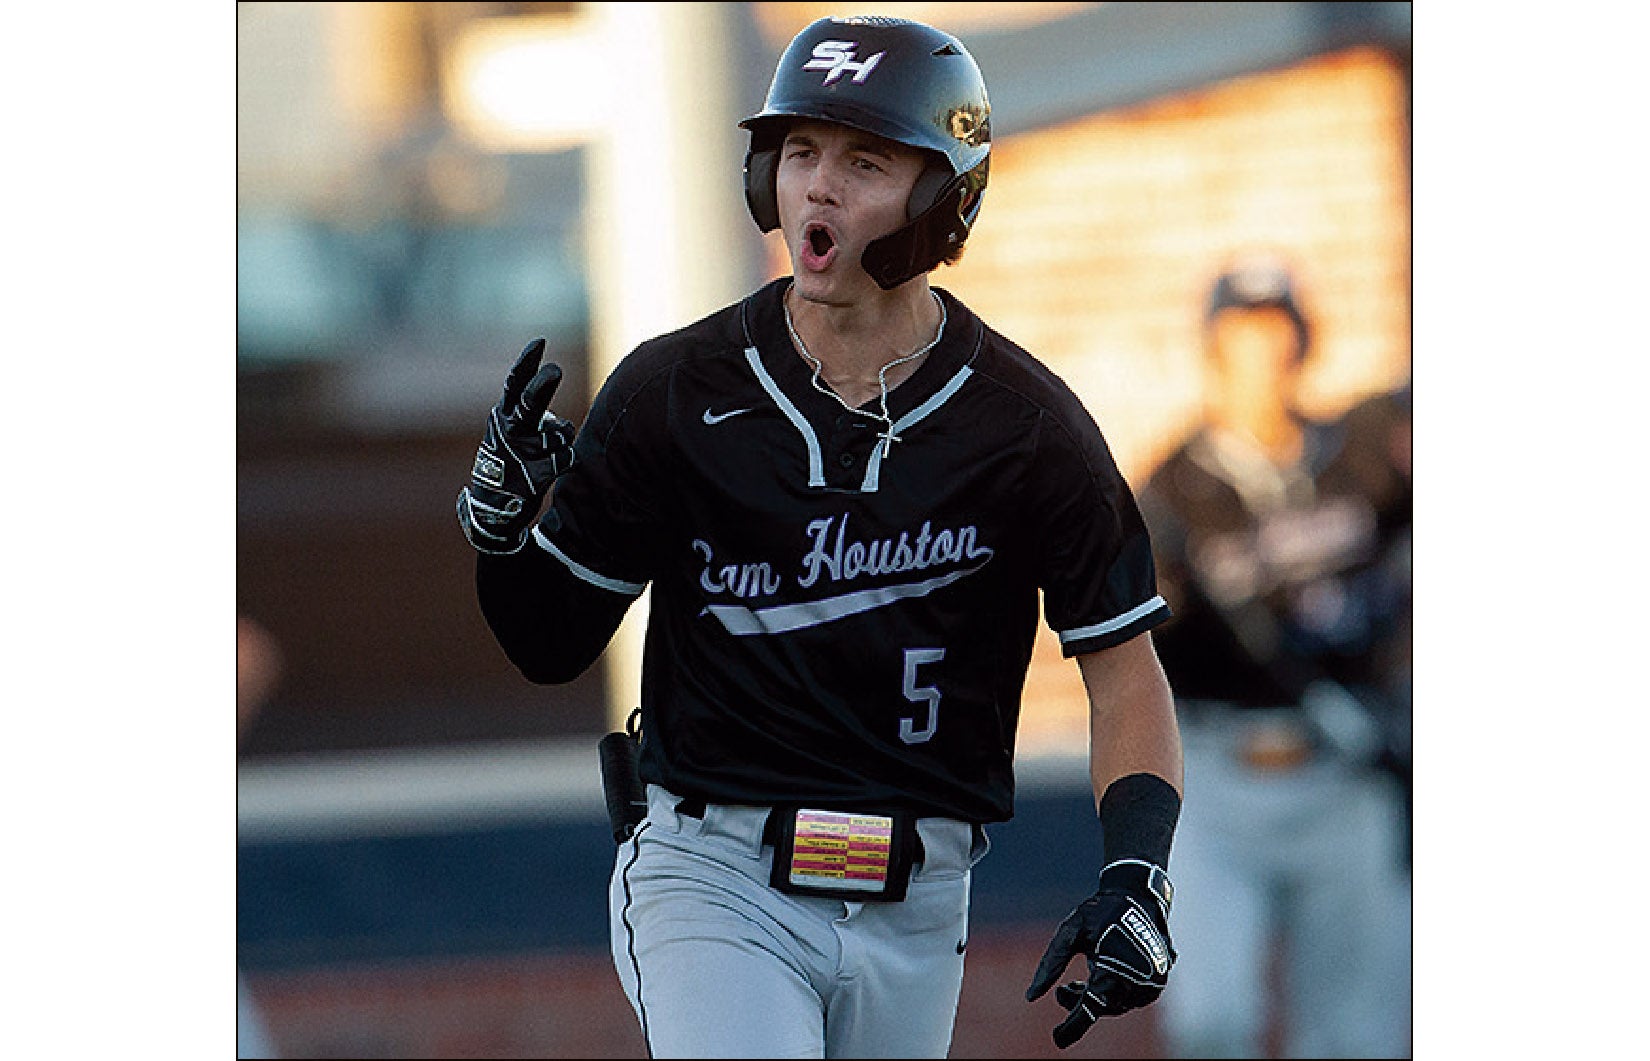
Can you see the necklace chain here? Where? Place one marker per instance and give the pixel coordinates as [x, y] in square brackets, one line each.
[887, 437]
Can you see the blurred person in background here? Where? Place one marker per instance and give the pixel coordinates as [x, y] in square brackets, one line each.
[846, 491]
[1283, 549]
[257, 671]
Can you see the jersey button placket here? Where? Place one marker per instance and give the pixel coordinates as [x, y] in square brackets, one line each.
[850, 442]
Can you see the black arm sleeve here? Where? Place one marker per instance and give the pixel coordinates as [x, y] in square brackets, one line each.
[551, 625]
[1138, 814]
[554, 605]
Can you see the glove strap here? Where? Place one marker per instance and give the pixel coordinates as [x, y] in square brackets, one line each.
[481, 539]
[1138, 876]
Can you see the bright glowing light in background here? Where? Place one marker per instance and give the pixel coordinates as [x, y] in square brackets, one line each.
[527, 84]
[658, 190]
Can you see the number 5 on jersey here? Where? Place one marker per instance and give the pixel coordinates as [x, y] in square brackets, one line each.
[920, 694]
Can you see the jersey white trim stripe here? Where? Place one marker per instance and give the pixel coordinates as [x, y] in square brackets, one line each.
[1114, 624]
[629, 589]
[816, 459]
[873, 467]
[784, 618]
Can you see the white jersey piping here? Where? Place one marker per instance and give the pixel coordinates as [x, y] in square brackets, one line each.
[816, 459]
[629, 589]
[1083, 632]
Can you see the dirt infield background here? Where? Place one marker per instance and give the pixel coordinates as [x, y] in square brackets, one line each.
[572, 1006]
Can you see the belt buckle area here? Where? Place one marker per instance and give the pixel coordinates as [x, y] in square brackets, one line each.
[1274, 747]
[851, 855]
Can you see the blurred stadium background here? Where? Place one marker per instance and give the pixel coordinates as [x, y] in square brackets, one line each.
[422, 850]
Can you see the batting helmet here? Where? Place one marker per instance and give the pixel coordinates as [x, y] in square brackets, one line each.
[900, 80]
[1259, 282]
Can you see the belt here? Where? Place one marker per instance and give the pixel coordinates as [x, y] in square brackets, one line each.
[772, 828]
[1264, 739]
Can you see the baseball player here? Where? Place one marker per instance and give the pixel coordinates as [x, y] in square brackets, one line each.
[1274, 557]
[846, 492]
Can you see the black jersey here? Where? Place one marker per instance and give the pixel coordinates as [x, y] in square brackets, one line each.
[838, 617]
[1275, 571]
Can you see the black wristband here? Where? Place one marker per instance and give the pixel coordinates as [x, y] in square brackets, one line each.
[1138, 814]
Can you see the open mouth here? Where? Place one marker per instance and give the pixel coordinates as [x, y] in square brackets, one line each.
[818, 246]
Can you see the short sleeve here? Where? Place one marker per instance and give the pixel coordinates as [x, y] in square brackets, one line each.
[604, 519]
[1093, 554]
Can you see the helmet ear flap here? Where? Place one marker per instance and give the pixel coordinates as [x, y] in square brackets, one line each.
[930, 185]
[761, 195]
[935, 229]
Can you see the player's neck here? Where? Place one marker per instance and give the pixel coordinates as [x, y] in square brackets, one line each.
[1269, 426]
[853, 341]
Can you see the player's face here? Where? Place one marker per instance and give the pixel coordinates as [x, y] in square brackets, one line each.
[1255, 352]
[838, 190]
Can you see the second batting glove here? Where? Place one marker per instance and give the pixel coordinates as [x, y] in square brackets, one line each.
[525, 447]
[1123, 931]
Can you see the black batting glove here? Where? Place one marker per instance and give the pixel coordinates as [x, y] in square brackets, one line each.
[523, 450]
[1123, 931]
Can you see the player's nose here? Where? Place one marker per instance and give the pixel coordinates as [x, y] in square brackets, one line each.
[825, 184]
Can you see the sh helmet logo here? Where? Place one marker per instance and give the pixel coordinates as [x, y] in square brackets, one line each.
[836, 57]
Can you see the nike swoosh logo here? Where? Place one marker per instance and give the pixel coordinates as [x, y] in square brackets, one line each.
[716, 418]
[962, 945]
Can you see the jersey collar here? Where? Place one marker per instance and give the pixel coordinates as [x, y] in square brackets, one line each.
[764, 320]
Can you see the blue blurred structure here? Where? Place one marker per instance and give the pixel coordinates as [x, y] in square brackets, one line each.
[334, 891]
